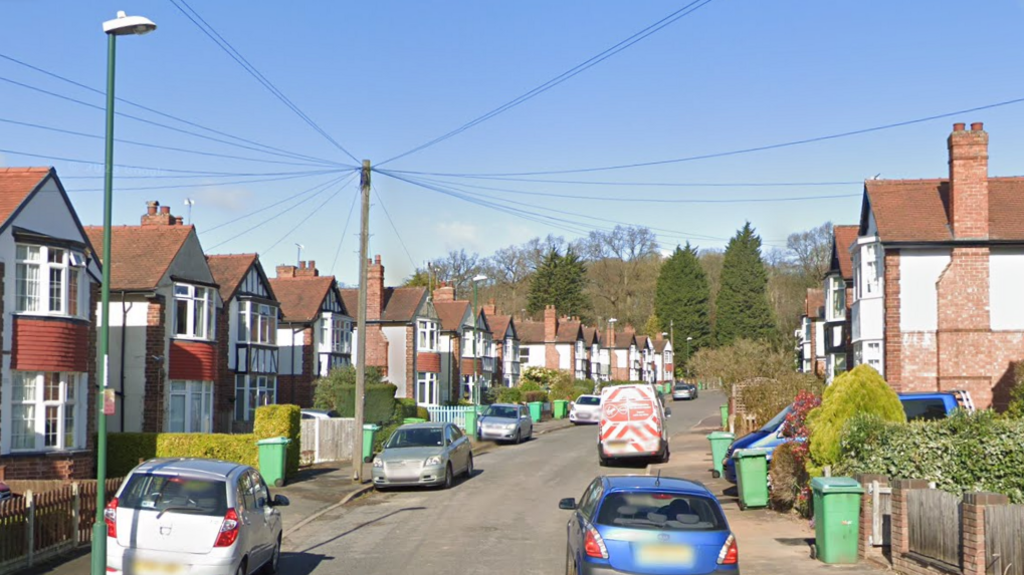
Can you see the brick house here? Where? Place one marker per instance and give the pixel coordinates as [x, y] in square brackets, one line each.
[403, 329]
[506, 346]
[163, 325]
[937, 268]
[315, 333]
[624, 354]
[810, 337]
[664, 359]
[597, 358]
[838, 293]
[455, 319]
[555, 343]
[645, 347]
[49, 281]
[247, 338]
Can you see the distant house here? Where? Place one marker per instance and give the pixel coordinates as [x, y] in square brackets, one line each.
[314, 334]
[624, 355]
[810, 336]
[937, 268]
[49, 275]
[555, 343]
[455, 319]
[163, 326]
[506, 347]
[247, 336]
[597, 363]
[838, 297]
[664, 359]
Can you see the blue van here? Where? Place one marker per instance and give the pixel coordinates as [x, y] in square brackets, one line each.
[917, 406]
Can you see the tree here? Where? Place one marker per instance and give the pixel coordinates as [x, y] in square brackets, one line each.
[623, 271]
[653, 326]
[711, 263]
[456, 269]
[743, 309]
[812, 252]
[560, 281]
[419, 278]
[682, 300]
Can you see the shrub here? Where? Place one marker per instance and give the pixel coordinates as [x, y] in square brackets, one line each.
[422, 413]
[407, 407]
[1015, 409]
[510, 395]
[859, 391]
[742, 360]
[281, 421]
[965, 452]
[788, 476]
[527, 385]
[337, 391]
[125, 449]
[542, 377]
[532, 396]
[764, 400]
[383, 435]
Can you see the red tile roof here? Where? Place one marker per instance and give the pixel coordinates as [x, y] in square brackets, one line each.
[451, 314]
[15, 185]
[591, 335]
[350, 298]
[141, 254]
[499, 325]
[531, 331]
[229, 270]
[623, 340]
[301, 298]
[814, 302]
[641, 341]
[401, 304]
[568, 332]
[659, 345]
[843, 237]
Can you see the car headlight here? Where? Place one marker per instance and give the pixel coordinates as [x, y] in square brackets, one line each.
[378, 463]
[510, 427]
[435, 460]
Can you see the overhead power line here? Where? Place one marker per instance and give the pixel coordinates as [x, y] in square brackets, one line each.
[265, 148]
[211, 184]
[393, 226]
[237, 56]
[294, 196]
[344, 232]
[309, 215]
[635, 184]
[587, 64]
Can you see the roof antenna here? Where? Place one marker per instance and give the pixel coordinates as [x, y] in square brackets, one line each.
[657, 480]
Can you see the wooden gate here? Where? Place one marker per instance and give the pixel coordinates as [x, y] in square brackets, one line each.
[881, 519]
[326, 440]
[1004, 539]
[935, 525]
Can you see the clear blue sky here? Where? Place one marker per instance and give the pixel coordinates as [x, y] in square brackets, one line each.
[383, 77]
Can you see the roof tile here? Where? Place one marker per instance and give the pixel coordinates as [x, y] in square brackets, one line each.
[229, 270]
[15, 185]
[142, 254]
[301, 298]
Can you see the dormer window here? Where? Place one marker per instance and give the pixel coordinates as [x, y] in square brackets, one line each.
[193, 312]
[835, 307]
[257, 323]
[48, 281]
[426, 335]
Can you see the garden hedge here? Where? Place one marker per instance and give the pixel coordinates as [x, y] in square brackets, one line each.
[124, 450]
[281, 421]
[379, 407]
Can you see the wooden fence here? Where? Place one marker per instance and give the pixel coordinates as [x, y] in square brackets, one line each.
[326, 440]
[935, 525]
[1004, 539]
[37, 526]
[881, 514]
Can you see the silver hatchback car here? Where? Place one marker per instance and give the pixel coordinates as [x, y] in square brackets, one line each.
[506, 422]
[428, 454]
[194, 516]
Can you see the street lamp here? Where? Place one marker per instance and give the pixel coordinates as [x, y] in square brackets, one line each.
[688, 340]
[476, 356]
[123, 25]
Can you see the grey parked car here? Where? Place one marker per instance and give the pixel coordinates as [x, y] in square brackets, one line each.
[506, 422]
[429, 454]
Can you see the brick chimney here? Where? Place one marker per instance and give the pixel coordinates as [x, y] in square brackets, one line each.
[286, 271]
[968, 181]
[375, 290]
[550, 323]
[157, 215]
[444, 293]
[609, 336]
[629, 329]
[490, 309]
[659, 336]
[307, 270]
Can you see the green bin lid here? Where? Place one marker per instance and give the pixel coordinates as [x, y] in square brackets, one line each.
[836, 485]
[743, 453]
[274, 441]
[721, 435]
[371, 427]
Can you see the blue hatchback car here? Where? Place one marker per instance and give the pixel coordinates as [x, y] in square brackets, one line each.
[648, 525]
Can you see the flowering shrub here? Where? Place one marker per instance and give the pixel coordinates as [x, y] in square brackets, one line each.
[790, 480]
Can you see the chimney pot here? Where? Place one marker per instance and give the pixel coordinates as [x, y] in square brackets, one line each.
[958, 127]
[977, 127]
[178, 220]
[165, 210]
[311, 264]
[302, 265]
[376, 259]
[151, 207]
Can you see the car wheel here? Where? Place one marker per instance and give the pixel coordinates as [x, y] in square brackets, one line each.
[601, 459]
[469, 467]
[569, 570]
[519, 436]
[448, 476]
[275, 559]
[242, 570]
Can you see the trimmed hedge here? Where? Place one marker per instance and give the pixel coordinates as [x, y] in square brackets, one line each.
[966, 452]
[379, 407]
[281, 421]
[124, 450]
[510, 395]
[532, 396]
[406, 406]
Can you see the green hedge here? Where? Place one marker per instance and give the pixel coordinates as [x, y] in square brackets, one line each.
[124, 450]
[532, 396]
[510, 395]
[379, 407]
[407, 406]
[966, 452]
[281, 421]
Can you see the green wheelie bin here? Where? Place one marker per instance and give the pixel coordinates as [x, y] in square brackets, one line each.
[273, 453]
[720, 442]
[752, 477]
[535, 409]
[471, 419]
[560, 408]
[724, 409]
[836, 518]
[369, 433]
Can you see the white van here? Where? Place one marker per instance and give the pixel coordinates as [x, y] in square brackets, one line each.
[632, 424]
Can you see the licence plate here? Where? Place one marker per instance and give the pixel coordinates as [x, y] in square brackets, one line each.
[616, 447]
[665, 555]
[142, 567]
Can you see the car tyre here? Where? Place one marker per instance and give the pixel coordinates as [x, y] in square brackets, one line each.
[273, 563]
[469, 467]
[519, 437]
[242, 570]
[449, 478]
[569, 570]
[601, 459]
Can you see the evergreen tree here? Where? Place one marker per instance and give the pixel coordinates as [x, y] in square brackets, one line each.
[742, 306]
[683, 301]
[560, 281]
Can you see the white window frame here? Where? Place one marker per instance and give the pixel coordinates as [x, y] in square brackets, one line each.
[39, 300]
[467, 343]
[69, 402]
[426, 335]
[261, 316]
[835, 306]
[187, 389]
[524, 354]
[427, 388]
[265, 389]
[193, 295]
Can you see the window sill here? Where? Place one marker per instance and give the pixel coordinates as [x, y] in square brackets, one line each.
[47, 452]
[195, 339]
[44, 316]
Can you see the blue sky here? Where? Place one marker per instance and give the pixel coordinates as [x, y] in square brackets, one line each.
[384, 77]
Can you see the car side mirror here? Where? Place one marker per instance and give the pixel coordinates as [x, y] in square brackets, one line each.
[280, 501]
[569, 503]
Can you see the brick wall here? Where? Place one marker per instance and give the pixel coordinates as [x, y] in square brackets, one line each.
[968, 178]
[893, 336]
[156, 360]
[410, 362]
[376, 348]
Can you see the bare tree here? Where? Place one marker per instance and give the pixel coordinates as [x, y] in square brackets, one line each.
[812, 251]
[457, 269]
[623, 269]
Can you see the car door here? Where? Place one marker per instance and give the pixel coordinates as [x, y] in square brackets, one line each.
[271, 516]
[460, 445]
[525, 422]
[252, 531]
[581, 518]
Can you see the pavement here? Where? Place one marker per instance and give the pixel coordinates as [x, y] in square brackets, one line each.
[770, 543]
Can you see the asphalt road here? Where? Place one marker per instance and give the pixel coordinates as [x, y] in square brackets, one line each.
[503, 520]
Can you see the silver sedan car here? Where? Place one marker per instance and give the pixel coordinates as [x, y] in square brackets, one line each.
[423, 454]
[506, 422]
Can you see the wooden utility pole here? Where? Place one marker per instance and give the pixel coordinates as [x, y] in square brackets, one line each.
[364, 243]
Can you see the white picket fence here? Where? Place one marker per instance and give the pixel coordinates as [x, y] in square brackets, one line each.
[326, 440]
[449, 414]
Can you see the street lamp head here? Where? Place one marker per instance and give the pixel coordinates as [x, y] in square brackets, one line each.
[612, 320]
[480, 278]
[689, 339]
[125, 25]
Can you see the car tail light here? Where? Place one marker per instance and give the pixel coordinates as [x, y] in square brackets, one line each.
[594, 545]
[110, 518]
[228, 530]
[730, 553]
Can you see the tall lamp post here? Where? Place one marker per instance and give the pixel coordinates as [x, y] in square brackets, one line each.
[611, 347]
[688, 340]
[123, 25]
[476, 356]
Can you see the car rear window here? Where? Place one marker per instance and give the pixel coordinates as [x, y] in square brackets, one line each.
[927, 409]
[660, 511]
[591, 400]
[174, 494]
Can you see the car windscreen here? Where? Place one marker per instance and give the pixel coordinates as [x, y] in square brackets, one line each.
[777, 420]
[682, 385]
[175, 494]
[502, 411]
[924, 409]
[588, 400]
[660, 511]
[416, 437]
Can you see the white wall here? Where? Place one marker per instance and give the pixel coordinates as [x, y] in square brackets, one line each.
[289, 351]
[819, 338]
[1006, 276]
[564, 356]
[396, 357]
[919, 275]
[132, 314]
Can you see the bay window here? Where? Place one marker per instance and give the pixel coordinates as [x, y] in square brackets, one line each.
[336, 334]
[426, 388]
[836, 306]
[252, 391]
[257, 323]
[426, 335]
[869, 284]
[46, 411]
[48, 280]
[193, 311]
[191, 407]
